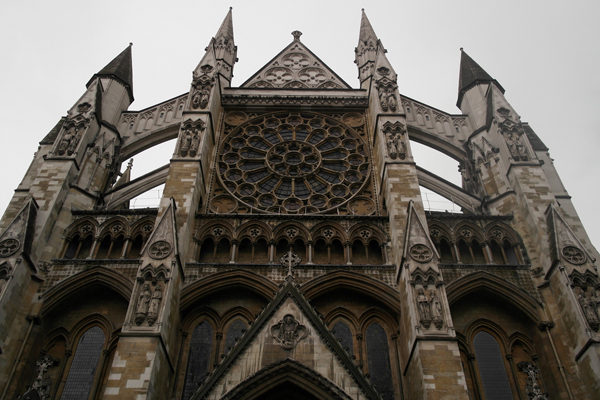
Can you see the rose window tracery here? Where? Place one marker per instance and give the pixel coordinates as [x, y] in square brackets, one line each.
[293, 163]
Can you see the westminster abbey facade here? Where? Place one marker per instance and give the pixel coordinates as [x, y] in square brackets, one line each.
[290, 256]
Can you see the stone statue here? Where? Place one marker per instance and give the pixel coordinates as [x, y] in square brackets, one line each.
[436, 310]
[42, 382]
[154, 305]
[396, 146]
[68, 143]
[186, 142]
[590, 312]
[516, 147]
[424, 308]
[141, 310]
[201, 95]
[194, 143]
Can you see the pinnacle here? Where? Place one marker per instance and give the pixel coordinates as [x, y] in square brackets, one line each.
[226, 28]
[120, 67]
[470, 72]
[366, 30]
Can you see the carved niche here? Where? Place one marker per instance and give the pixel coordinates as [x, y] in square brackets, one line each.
[589, 307]
[190, 137]
[394, 134]
[202, 86]
[513, 135]
[148, 303]
[288, 332]
[387, 93]
[71, 135]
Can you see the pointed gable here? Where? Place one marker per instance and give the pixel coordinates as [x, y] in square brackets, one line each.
[296, 67]
[313, 352]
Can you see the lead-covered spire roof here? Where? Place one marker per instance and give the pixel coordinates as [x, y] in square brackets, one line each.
[120, 69]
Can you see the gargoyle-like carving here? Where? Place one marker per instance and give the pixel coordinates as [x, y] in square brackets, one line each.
[288, 332]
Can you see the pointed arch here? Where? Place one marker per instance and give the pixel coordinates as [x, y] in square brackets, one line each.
[287, 373]
[227, 280]
[484, 280]
[94, 276]
[352, 280]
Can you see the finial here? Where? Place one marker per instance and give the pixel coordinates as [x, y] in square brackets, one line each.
[230, 8]
[362, 9]
[130, 164]
[461, 49]
[130, 44]
[296, 35]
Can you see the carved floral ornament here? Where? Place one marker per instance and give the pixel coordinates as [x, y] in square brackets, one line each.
[160, 249]
[288, 332]
[573, 255]
[290, 260]
[8, 247]
[421, 253]
[293, 163]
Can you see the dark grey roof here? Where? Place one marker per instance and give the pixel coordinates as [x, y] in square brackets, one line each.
[534, 139]
[51, 136]
[471, 74]
[121, 69]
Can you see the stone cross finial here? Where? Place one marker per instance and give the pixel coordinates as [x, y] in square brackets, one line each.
[296, 35]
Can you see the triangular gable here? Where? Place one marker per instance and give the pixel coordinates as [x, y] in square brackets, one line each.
[296, 67]
[264, 346]
[163, 238]
[418, 245]
[18, 236]
[564, 245]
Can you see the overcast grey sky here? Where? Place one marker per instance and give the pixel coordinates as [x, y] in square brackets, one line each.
[546, 55]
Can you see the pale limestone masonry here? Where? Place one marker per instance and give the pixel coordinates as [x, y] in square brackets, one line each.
[291, 256]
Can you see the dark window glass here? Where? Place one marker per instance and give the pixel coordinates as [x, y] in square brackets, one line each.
[198, 358]
[284, 190]
[329, 177]
[252, 154]
[491, 367]
[268, 185]
[248, 165]
[327, 145]
[257, 176]
[316, 138]
[272, 137]
[510, 254]
[301, 134]
[234, 331]
[81, 375]
[336, 166]
[302, 191]
[344, 336]
[259, 144]
[335, 155]
[317, 185]
[379, 361]
[286, 134]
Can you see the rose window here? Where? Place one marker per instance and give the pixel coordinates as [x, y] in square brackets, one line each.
[293, 163]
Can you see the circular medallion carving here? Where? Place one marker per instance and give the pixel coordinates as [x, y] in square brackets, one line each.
[159, 250]
[353, 119]
[421, 253]
[8, 247]
[235, 118]
[223, 204]
[292, 163]
[361, 206]
[573, 255]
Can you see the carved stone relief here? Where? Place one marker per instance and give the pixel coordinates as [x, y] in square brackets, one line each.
[202, 86]
[421, 253]
[430, 308]
[8, 247]
[513, 134]
[160, 249]
[288, 332]
[589, 307]
[68, 142]
[190, 138]
[533, 389]
[573, 255]
[394, 134]
[42, 383]
[148, 304]
[387, 94]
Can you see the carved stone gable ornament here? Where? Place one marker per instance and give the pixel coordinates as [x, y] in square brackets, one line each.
[8, 247]
[288, 332]
[421, 253]
[290, 259]
[573, 255]
[159, 250]
[533, 389]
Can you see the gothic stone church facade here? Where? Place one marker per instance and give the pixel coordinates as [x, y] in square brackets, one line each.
[290, 256]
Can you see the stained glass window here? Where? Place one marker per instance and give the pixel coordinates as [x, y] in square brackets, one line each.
[234, 331]
[83, 368]
[491, 367]
[379, 361]
[198, 358]
[344, 335]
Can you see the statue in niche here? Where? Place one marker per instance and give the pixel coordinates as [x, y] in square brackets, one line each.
[436, 310]
[201, 95]
[288, 332]
[516, 146]
[387, 97]
[396, 147]
[69, 141]
[154, 305]
[424, 308]
[588, 306]
[190, 141]
[141, 310]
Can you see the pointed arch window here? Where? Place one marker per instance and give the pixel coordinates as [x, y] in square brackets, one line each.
[83, 368]
[379, 360]
[344, 335]
[198, 358]
[491, 367]
[234, 332]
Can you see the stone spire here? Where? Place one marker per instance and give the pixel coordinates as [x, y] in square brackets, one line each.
[120, 69]
[367, 49]
[471, 74]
